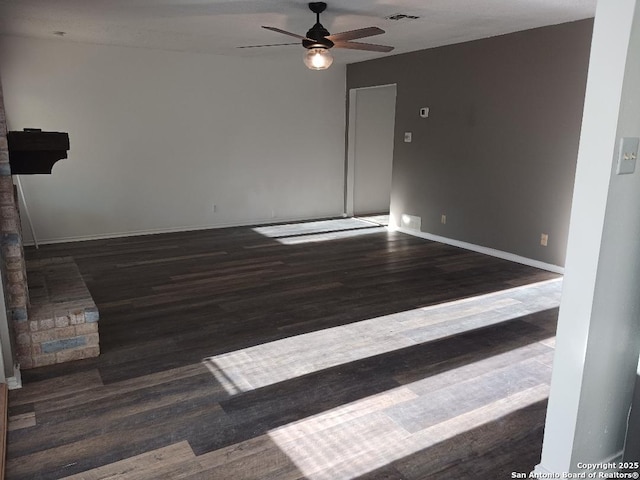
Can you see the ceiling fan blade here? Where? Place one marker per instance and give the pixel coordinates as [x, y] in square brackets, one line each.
[364, 46]
[354, 34]
[284, 32]
[271, 45]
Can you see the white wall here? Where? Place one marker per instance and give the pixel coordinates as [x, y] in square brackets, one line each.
[598, 336]
[158, 137]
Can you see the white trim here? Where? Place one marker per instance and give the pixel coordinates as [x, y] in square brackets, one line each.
[428, 236]
[156, 231]
[26, 209]
[375, 86]
[542, 472]
[15, 382]
[350, 177]
[485, 250]
[614, 458]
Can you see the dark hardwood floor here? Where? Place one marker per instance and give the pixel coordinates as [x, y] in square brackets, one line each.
[325, 350]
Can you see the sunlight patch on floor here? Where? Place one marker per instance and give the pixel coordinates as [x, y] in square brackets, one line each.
[324, 237]
[382, 219]
[320, 231]
[308, 228]
[358, 438]
[281, 360]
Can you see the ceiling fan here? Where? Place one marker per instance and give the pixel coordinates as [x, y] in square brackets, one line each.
[318, 41]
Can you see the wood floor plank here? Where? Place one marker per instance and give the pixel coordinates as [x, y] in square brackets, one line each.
[104, 393]
[458, 398]
[23, 420]
[271, 463]
[345, 450]
[178, 258]
[473, 370]
[56, 387]
[134, 468]
[388, 472]
[351, 413]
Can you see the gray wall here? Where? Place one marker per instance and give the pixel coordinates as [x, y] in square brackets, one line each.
[498, 152]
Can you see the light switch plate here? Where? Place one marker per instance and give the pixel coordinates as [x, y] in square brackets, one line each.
[407, 137]
[627, 155]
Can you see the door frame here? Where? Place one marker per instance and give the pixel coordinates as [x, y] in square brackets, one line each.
[349, 171]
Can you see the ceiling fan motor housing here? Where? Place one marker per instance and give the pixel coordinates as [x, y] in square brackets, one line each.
[317, 32]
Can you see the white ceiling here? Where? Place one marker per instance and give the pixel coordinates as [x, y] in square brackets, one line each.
[219, 26]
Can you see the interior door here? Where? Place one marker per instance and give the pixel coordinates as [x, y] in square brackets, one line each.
[372, 148]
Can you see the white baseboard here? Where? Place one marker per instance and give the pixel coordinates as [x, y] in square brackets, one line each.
[428, 236]
[615, 458]
[542, 472]
[157, 231]
[15, 382]
[485, 250]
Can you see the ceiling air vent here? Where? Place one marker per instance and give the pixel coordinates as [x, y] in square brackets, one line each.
[401, 16]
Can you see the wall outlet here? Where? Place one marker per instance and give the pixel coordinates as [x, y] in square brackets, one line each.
[544, 239]
[215, 208]
[408, 137]
[443, 219]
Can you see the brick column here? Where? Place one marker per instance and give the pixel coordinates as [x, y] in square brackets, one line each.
[12, 261]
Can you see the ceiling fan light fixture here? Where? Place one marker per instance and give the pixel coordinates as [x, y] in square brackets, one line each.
[318, 58]
[318, 40]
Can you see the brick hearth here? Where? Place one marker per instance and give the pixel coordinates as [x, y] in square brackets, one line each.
[63, 318]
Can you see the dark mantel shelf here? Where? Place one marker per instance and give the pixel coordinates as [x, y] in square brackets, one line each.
[33, 151]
